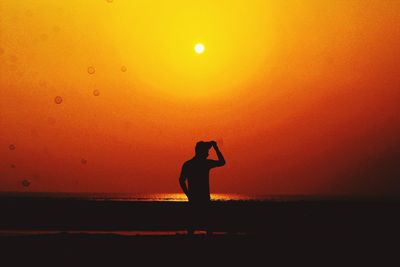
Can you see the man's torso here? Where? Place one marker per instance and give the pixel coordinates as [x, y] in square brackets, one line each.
[197, 172]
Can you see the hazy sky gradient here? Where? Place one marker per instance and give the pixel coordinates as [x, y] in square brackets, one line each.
[303, 96]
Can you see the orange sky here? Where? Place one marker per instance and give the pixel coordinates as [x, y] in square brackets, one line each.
[303, 96]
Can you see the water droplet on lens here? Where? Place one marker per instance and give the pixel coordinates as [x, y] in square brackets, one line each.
[91, 70]
[124, 68]
[58, 99]
[26, 183]
[11, 147]
[96, 92]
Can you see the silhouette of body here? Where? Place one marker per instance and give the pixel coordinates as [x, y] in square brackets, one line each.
[196, 172]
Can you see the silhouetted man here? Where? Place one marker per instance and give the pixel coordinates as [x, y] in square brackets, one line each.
[196, 172]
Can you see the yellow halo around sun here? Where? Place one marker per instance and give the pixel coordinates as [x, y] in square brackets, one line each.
[199, 48]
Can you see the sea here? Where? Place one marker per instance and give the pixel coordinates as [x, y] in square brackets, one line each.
[180, 197]
[134, 197]
[155, 197]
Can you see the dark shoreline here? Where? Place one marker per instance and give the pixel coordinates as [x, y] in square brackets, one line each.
[43, 213]
[253, 229]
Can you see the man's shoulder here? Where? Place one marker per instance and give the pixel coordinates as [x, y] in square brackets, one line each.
[188, 163]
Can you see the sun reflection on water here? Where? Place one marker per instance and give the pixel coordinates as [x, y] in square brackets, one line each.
[173, 197]
[182, 197]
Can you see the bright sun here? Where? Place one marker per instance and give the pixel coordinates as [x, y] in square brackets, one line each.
[199, 48]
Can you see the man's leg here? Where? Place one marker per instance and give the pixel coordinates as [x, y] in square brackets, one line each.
[191, 219]
[206, 215]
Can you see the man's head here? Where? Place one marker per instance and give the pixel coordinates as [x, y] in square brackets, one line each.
[202, 149]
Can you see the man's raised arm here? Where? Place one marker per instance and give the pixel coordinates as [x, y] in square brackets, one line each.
[221, 159]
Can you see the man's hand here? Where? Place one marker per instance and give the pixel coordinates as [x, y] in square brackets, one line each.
[221, 160]
[214, 144]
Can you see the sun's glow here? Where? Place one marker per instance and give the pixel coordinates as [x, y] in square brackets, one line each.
[199, 48]
[199, 53]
